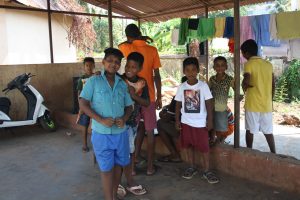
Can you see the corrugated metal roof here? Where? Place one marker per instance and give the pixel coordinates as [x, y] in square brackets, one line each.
[162, 10]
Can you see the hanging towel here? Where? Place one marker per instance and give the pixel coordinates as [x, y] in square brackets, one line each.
[219, 26]
[229, 27]
[273, 27]
[183, 31]
[260, 26]
[193, 24]
[175, 36]
[288, 25]
[206, 28]
[295, 50]
[246, 31]
[282, 51]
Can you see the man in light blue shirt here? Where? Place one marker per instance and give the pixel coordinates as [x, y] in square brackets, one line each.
[105, 99]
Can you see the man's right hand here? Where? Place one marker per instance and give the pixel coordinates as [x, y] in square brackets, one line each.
[107, 121]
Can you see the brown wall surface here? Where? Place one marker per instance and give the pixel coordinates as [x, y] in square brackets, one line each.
[53, 81]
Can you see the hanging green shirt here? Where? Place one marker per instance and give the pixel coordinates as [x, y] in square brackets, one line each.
[183, 31]
[206, 28]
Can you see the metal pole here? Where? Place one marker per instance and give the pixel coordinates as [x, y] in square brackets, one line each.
[50, 31]
[206, 48]
[110, 23]
[237, 73]
[61, 12]
[139, 23]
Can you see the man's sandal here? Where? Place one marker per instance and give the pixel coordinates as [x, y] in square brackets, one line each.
[137, 190]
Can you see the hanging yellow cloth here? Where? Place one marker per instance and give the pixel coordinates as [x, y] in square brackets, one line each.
[219, 26]
[288, 25]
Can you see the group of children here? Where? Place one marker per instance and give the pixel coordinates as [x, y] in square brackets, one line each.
[114, 102]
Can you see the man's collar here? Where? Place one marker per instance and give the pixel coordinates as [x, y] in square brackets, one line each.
[139, 42]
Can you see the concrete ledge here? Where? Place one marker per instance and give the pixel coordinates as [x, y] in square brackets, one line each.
[266, 168]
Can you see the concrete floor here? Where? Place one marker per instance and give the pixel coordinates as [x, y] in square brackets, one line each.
[35, 165]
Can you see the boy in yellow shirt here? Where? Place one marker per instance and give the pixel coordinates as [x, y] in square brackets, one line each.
[258, 85]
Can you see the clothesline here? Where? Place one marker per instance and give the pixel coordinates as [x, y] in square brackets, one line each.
[270, 30]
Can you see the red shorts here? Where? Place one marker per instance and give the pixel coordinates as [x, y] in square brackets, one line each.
[148, 114]
[194, 137]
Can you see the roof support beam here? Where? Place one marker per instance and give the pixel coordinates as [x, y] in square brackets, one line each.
[237, 73]
[50, 32]
[61, 12]
[206, 48]
[110, 23]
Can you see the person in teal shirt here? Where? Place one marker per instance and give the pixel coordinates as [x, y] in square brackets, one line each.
[106, 100]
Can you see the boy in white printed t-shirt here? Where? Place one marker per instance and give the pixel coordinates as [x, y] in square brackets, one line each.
[194, 101]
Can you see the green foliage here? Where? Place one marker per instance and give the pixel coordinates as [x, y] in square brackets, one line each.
[176, 74]
[281, 90]
[288, 85]
[161, 34]
[280, 6]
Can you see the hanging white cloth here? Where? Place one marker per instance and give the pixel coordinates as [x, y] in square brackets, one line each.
[295, 48]
[282, 51]
[273, 27]
[174, 37]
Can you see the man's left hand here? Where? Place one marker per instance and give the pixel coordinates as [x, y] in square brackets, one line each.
[158, 104]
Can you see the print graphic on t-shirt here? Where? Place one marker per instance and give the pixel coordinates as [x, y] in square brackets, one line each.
[191, 101]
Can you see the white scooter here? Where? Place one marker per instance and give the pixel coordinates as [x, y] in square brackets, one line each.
[36, 111]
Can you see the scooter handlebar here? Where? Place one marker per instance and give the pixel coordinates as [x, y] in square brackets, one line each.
[4, 90]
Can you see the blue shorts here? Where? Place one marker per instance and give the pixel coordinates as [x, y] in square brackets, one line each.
[84, 120]
[111, 150]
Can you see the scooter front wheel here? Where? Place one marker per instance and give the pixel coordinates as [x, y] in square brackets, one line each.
[47, 123]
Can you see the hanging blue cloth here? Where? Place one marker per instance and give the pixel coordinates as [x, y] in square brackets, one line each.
[229, 27]
[260, 27]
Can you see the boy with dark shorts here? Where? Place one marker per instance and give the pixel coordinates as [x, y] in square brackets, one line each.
[194, 103]
[83, 119]
[105, 99]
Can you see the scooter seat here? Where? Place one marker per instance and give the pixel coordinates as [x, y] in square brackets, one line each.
[5, 104]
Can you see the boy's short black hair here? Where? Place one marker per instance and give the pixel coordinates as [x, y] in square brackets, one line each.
[250, 46]
[133, 31]
[88, 59]
[220, 58]
[113, 51]
[191, 61]
[137, 57]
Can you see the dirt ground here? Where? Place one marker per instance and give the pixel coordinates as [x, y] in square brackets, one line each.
[35, 165]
